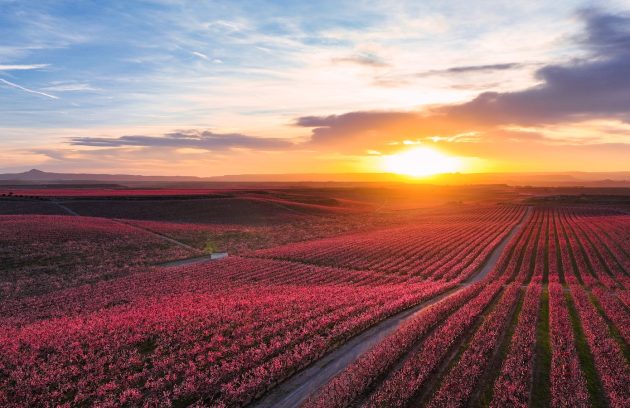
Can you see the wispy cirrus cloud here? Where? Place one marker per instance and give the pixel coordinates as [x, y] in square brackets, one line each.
[465, 69]
[70, 87]
[368, 59]
[200, 55]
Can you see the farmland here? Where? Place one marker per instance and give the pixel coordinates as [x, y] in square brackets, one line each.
[328, 298]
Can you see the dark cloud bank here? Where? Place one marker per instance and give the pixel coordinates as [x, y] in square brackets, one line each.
[597, 86]
[188, 138]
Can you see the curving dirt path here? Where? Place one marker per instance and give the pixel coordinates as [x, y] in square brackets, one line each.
[156, 234]
[295, 390]
[66, 209]
[187, 261]
[496, 253]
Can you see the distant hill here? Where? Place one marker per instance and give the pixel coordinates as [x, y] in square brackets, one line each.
[35, 175]
[38, 175]
[595, 179]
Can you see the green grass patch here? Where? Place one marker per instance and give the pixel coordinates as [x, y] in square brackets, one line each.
[546, 269]
[434, 385]
[558, 253]
[593, 383]
[574, 265]
[488, 393]
[532, 261]
[521, 256]
[209, 247]
[612, 330]
[541, 387]
[587, 260]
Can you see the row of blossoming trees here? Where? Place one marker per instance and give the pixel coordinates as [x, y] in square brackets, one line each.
[549, 325]
[46, 253]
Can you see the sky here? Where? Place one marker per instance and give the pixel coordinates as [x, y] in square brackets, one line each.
[238, 87]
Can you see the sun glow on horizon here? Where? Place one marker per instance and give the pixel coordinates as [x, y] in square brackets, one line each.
[421, 162]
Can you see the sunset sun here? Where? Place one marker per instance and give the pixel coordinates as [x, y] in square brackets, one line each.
[421, 162]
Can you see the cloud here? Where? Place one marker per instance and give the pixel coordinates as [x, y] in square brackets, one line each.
[13, 85]
[70, 87]
[356, 131]
[224, 26]
[389, 80]
[22, 67]
[200, 55]
[606, 34]
[474, 68]
[187, 139]
[350, 119]
[368, 59]
[595, 87]
[476, 86]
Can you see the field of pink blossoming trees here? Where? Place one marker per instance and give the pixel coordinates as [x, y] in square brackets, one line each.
[513, 305]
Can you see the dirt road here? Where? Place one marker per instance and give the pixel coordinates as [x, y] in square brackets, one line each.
[294, 391]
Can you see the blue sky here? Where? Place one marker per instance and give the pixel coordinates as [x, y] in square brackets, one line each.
[74, 70]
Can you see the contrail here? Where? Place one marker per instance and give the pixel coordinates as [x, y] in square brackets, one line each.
[11, 84]
[22, 67]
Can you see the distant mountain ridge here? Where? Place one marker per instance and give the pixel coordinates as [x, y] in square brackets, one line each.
[39, 175]
[595, 179]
